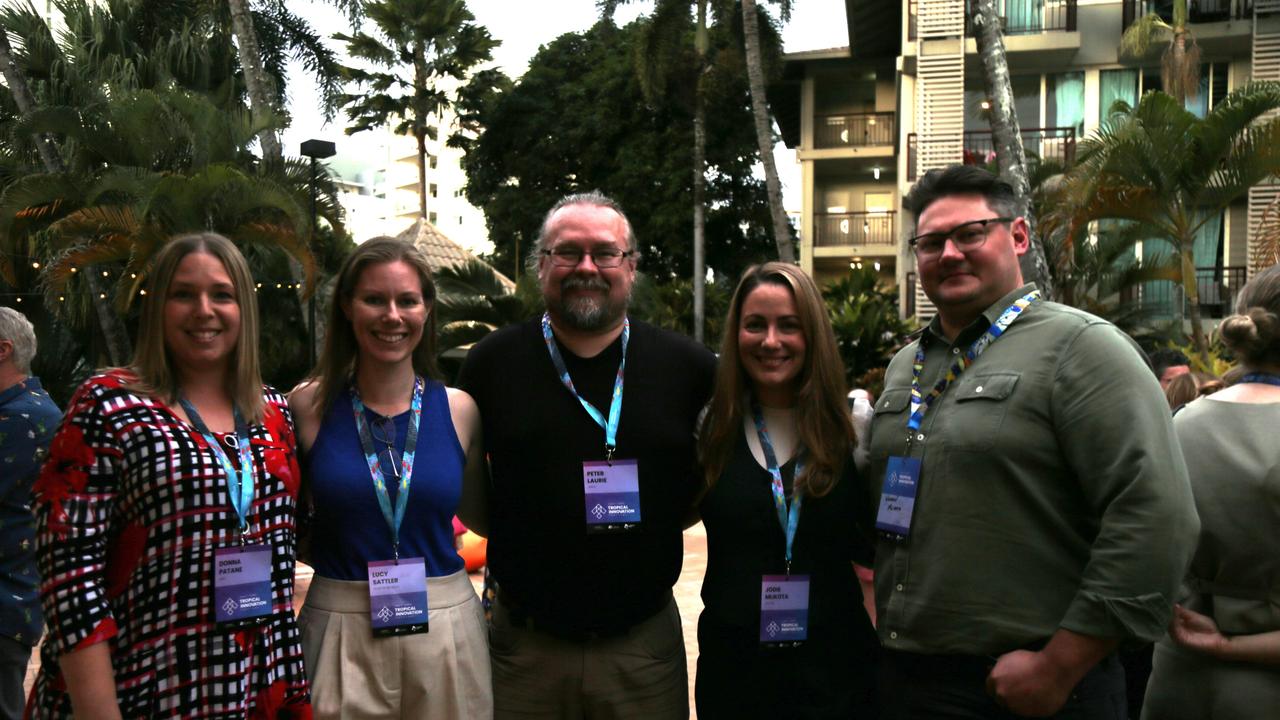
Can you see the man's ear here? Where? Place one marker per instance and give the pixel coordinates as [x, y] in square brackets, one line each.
[1021, 236]
[6, 350]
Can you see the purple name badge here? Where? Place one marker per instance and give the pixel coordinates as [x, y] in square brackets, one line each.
[398, 596]
[612, 493]
[242, 584]
[898, 496]
[784, 609]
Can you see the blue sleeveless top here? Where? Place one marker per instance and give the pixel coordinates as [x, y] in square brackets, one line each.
[349, 530]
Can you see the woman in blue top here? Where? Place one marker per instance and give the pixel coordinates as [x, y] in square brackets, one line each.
[390, 455]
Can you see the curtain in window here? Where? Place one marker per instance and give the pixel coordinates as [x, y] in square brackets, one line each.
[1068, 98]
[1199, 105]
[1116, 85]
[1023, 16]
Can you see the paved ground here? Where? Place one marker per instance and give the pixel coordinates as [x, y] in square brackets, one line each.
[687, 597]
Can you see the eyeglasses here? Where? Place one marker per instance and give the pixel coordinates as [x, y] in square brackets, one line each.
[606, 257]
[383, 430]
[966, 236]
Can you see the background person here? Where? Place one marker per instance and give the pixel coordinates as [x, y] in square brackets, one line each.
[585, 624]
[779, 406]
[165, 475]
[28, 418]
[1221, 659]
[379, 361]
[1169, 363]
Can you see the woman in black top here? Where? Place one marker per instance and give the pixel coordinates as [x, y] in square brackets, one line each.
[776, 444]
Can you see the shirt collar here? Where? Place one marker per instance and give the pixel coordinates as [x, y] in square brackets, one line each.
[984, 321]
[31, 383]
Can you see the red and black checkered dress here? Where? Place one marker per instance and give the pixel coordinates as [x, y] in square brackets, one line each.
[131, 505]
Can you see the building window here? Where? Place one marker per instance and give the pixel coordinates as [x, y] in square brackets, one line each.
[431, 218]
[433, 190]
[431, 161]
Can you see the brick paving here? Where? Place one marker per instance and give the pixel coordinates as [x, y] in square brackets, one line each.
[687, 592]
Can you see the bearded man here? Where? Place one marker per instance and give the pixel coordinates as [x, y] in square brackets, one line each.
[589, 429]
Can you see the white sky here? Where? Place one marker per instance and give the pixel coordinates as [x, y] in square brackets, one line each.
[523, 26]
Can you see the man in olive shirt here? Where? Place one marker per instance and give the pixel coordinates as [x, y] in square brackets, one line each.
[1036, 512]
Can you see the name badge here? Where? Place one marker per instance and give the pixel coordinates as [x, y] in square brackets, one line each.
[784, 610]
[398, 596]
[612, 493]
[898, 496]
[242, 584]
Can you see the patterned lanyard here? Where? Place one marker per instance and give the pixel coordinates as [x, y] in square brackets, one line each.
[919, 405]
[239, 482]
[1264, 378]
[406, 460]
[789, 519]
[615, 406]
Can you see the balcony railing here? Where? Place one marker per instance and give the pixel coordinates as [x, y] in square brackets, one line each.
[1019, 17]
[1056, 143]
[910, 290]
[1218, 288]
[1198, 11]
[855, 228]
[854, 130]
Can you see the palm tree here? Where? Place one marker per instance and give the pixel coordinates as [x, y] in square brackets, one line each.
[764, 129]
[261, 88]
[474, 301]
[1180, 62]
[422, 43]
[1162, 167]
[1011, 161]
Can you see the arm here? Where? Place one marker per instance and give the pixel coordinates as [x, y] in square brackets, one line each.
[305, 418]
[1038, 683]
[1199, 632]
[473, 509]
[91, 683]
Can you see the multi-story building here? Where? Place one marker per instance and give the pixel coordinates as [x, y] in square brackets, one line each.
[907, 95]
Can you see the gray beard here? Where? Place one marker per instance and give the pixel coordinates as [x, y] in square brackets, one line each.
[586, 314]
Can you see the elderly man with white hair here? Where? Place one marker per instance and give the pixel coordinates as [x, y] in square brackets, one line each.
[28, 419]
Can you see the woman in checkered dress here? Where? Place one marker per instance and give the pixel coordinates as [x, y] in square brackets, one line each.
[134, 503]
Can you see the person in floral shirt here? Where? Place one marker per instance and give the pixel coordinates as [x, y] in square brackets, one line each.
[166, 517]
[28, 418]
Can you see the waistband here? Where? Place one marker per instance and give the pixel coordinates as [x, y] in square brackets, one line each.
[516, 615]
[352, 596]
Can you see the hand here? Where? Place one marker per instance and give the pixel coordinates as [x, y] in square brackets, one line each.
[1029, 683]
[1196, 632]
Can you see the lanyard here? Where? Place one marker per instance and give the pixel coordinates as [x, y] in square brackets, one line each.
[375, 462]
[919, 406]
[1259, 377]
[615, 406]
[789, 519]
[239, 482]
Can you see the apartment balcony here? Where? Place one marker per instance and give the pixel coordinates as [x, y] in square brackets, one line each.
[1217, 287]
[1018, 17]
[1198, 11]
[1057, 144]
[855, 130]
[863, 230]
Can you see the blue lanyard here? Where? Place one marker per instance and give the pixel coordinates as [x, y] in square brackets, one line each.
[239, 482]
[788, 518]
[615, 406]
[1260, 377]
[406, 460]
[919, 405]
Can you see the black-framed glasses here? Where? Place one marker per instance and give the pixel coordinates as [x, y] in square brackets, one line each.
[967, 236]
[605, 257]
[383, 430]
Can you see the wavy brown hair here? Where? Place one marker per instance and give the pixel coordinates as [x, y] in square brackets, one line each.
[823, 426]
[337, 364]
[152, 365]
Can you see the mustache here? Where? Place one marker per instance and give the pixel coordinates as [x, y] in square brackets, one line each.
[581, 283]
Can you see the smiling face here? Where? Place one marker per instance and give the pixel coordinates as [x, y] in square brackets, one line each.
[387, 313]
[587, 297]
[963, 284]
[201, 316]
[771, 343]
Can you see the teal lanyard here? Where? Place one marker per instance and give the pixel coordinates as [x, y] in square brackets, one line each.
[239, 482]
[921, 405]
[615, 405]
[789, 518]
[394, 519]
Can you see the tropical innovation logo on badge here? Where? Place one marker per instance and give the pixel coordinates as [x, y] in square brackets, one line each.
[598, 511]
[384, 614]
[229, 606]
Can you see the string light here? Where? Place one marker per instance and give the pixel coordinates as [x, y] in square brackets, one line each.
[35, 265]
[105, 273]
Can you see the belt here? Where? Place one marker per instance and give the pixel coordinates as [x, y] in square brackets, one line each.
[518, 616]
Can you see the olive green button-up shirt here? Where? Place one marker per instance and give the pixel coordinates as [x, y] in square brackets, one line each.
[1053, 492]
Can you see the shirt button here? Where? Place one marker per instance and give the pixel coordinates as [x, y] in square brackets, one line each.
[955, 351]
[978, 389]
[920, 437]
[893, 636]
[899, 587]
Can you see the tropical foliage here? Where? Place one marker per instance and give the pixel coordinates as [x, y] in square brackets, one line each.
[868, 330]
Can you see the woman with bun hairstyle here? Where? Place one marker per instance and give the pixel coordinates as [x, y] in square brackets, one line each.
[392, 627]
[165, 516]
[786, 514]
[1222, 656]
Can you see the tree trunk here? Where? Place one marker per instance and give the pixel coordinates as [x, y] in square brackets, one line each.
[1191, 288]
[114, 333]
[700, 179]
[764, 132]
[421, 133]
[255, 78]
[1010, 156]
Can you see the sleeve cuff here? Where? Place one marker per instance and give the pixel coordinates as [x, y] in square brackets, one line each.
[103, 631]
[1141, 617]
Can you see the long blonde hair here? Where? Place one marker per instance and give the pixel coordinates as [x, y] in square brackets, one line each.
[823, 426]
[151, 364]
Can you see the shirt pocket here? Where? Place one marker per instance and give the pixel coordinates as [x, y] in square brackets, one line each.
[976, 418]
[889, 424]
